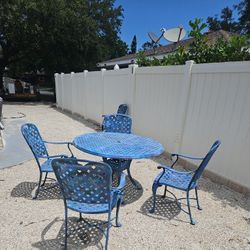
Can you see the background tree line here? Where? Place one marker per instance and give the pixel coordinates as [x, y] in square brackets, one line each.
[58, 35]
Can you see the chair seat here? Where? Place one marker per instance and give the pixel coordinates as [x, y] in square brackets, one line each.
[175, 178]
[46, 166]
[92, 207]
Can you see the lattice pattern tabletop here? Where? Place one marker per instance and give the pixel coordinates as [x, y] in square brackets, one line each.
[118, 145]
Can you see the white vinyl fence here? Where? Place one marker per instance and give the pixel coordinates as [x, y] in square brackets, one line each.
[186, 107]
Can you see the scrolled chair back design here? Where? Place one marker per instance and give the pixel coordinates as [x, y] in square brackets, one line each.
[117, 123]
[84, 182]
[34, 140]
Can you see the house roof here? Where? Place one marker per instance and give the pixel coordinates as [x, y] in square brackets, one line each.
[212, 37]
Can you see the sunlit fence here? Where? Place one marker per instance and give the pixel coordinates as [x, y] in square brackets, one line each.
[186, 108]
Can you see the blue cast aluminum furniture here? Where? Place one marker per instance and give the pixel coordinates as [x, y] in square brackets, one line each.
[86, 187]
[119, 146]
[119, 123]
[122, 110]
[37, 145]
[182, 180]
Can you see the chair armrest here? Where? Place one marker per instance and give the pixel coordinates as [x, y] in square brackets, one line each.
[121, 184]
[187, 156]
[61, 143]
[54, 156]
[58, 142]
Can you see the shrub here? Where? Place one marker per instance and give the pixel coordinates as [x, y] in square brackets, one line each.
[236, 49]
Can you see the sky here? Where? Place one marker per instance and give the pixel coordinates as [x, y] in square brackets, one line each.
[142, 16]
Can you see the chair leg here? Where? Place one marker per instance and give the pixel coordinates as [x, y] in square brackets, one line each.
[107, 235]
[38, 187]
[165, 191]
[66, 228]
[189, 209]
[80, 217]
[154, 189]
[44, 179]
[118, 224]
[132, 179]
[197, 199]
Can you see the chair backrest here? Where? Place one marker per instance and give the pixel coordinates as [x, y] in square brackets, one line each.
[122, 109]
[33, 138]
[84, 181]
[117, 123]
[205, 161]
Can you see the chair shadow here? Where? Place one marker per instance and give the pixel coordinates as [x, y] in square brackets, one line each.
[80, 234]
[25, 190]
[51, 192]
[131, 193]
[165, 207]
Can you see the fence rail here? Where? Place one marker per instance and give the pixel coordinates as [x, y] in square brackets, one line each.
[184, 107]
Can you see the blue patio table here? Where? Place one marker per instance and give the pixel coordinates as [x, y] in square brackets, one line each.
[118, 146]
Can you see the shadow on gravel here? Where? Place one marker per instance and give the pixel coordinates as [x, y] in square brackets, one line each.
[165, 207]
[81, 234]
[25, 190]
[50, 191]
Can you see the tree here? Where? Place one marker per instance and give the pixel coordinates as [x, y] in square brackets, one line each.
[58, 35]
[226, 21]
[244, 16]
[133, 46]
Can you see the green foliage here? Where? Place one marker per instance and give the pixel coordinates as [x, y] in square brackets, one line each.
[236, 49]
[59, 35]
[244, 16]
[228, 23]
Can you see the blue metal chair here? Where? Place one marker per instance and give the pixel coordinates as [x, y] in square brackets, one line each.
[122, 110]
[182, 180]
[37, 145]
[86, 187]
[119, 124]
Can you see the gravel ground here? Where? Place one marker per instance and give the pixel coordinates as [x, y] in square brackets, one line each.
[224, 222]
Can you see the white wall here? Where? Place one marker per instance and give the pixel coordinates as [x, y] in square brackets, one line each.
[184, 107]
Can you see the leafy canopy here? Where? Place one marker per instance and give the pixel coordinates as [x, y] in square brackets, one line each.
[228, 23]
[59, 35]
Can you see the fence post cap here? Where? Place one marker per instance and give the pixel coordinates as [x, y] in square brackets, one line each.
[190, 62]
[116, 67]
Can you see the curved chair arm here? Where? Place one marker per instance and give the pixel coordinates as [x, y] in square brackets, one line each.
[187, 156]
[58, 142]
[121, 184]
[53, 156]
[183, 156]
[61, 143]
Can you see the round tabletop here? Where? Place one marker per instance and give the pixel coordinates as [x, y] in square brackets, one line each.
[118, 145]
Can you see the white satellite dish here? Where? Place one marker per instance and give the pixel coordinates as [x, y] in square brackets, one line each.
[153, 37]
[175, 34]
